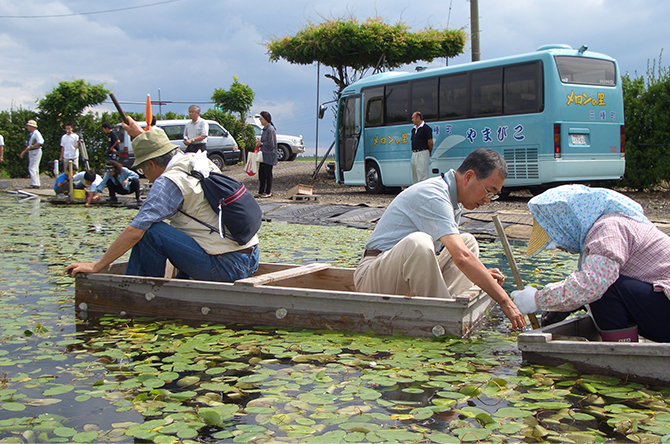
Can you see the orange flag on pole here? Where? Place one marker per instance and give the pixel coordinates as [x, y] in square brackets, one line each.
[148, 114]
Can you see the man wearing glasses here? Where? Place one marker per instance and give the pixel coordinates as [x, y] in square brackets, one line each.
[417, 249]
[195, 250]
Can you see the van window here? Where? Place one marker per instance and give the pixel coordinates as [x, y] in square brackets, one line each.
[216, 130]
[174, 132]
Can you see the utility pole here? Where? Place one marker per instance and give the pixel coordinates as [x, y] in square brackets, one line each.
[474, 27]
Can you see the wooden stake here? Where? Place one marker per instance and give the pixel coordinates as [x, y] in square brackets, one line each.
[512, 264]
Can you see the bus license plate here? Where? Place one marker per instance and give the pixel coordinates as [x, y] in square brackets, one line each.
[578, 139]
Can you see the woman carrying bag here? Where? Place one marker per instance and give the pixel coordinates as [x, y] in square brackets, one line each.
[268, 149]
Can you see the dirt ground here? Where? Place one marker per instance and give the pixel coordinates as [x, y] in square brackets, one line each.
[286, 175]
[656, 204]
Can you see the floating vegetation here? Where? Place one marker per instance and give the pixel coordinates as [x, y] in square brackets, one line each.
[115, 380]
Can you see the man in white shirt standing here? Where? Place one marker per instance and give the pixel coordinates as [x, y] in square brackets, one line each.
[69, 147]
[2, 148]
[195, 131]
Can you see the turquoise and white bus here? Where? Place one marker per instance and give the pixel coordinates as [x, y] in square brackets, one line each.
[556, 115]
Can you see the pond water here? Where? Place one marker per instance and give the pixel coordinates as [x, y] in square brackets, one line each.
[116, 380]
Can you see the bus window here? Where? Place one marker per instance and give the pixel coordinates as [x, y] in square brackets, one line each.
[521, 88]
[453, 96]
[424, 98]
[397, 101]
[585, 71]
[374, 106]
[486, 92]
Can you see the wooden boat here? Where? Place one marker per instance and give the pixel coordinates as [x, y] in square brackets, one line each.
[314, 296]
[576, 340]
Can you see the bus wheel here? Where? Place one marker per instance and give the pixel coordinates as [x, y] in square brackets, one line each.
[373, 179]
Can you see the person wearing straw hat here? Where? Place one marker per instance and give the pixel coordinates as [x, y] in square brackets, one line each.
[34, 150]
[624, 266]
[196, 251]
[416, 249]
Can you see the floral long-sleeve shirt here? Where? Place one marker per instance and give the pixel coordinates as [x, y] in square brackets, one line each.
[616, 245]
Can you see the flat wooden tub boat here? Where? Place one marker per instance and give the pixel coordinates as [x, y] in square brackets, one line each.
[314, 296]
[576, 340]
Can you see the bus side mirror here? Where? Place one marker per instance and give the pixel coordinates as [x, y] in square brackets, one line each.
[322, 111]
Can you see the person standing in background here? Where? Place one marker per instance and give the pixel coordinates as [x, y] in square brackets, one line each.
[34, 150]
[422, 148]
[2, 148]
[69, 147]
[112, 153]
[268, 146]
[195, 131]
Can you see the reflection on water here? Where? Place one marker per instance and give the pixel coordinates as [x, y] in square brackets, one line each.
[117, 380]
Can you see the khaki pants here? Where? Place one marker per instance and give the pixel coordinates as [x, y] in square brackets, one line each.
[411, 268]
[420, 166]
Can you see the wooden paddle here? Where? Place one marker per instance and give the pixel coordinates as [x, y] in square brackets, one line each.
[512, 264]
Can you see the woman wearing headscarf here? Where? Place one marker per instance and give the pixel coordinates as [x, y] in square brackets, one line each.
[268, 146]
[624, 265]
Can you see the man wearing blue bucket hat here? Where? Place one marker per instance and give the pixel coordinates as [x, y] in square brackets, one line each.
[624, 264]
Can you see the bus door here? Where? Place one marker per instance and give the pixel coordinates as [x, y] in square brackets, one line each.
[349, 137]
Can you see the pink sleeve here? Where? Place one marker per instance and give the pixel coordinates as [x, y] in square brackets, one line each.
[581, 287]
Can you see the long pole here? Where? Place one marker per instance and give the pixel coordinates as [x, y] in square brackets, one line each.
[316, 144]
[474, 28]
[512, 264]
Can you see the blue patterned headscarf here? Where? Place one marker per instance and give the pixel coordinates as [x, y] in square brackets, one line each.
[568, 212]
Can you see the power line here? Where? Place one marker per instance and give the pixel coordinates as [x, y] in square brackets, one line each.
[87, 13]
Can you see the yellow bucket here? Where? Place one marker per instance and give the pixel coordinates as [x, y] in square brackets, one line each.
[79, 194]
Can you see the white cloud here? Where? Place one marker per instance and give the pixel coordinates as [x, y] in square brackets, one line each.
[190, 47]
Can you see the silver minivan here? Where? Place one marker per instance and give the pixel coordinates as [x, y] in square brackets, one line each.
[222, 148]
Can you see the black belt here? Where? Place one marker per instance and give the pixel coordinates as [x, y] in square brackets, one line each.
[418, 151]
[246, 250]
[194, 147]
[372, 253]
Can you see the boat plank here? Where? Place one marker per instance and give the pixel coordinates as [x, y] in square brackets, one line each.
[269, 278]
[281, 305]
[645, 362]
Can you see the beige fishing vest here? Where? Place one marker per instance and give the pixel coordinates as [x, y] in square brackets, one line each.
[197, 206]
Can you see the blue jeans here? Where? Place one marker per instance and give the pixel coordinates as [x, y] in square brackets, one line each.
[162, 241]
[630, 301]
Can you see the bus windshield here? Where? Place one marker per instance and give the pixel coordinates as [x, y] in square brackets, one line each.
[586, 71]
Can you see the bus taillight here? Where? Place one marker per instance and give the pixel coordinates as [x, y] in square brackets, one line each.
[622, 136]
[557, 140]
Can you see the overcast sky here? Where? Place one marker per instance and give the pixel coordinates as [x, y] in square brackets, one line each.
[187, 48]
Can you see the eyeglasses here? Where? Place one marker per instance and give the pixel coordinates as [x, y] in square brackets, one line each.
[489, 195]
[139, 169]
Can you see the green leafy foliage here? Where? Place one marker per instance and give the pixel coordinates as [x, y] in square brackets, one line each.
[238, 99]
[115, 379]
[647, 111]
[345, 44]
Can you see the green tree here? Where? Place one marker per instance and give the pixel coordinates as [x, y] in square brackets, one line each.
[238, 99]
[351, 48]
[65, 103]
[13, 129]
[647, 120]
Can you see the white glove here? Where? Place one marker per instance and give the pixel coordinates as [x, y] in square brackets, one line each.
[525, 300]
